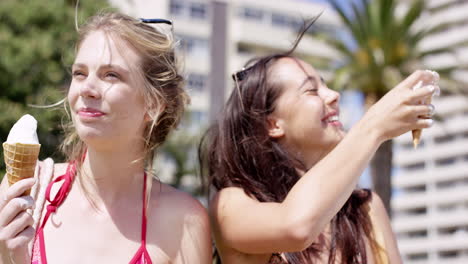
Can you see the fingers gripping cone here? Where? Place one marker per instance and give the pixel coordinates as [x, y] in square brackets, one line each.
[418, 132]
[20, 161]
[21, 150]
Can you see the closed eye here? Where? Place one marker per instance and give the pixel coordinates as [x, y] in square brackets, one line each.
[311, 90]
[112, 76]
[78, 74]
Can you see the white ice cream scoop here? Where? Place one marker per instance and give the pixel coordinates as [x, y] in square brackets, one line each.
[24, 131]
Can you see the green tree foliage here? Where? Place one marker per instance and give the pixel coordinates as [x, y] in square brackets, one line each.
[382, 47]
[36, 52]
[178, 157]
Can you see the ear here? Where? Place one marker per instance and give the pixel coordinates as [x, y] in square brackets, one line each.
[275, 127]
[147, 117]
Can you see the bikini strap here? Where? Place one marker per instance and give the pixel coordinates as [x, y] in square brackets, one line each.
[62, 192]
[143, 218]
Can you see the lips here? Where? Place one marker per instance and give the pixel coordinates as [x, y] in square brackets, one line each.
[332, 116]
[89, 112]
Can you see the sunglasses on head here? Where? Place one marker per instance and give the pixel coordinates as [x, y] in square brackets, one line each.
[240, 75]
[156, 21]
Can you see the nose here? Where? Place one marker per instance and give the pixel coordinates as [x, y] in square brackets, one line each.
[331, 97]
[89, 88]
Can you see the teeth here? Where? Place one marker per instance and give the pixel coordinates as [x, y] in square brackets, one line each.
[333, 118]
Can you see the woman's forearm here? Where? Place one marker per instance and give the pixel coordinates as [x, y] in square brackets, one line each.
[323, 190]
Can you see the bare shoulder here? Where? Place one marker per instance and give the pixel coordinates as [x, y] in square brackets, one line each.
[177, 202]
[385, 235]
[183, 227]
[377, 208]
[228, 198]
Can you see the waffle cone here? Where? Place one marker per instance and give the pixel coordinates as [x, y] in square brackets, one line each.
[417, 132]
[20, 161]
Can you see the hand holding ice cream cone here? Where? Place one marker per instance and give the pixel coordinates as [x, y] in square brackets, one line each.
[21, 150]
[434, 82]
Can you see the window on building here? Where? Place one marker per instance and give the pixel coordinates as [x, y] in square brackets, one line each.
[416, 211]
[323, 28]
[176, 7]
[417, 256]
[449, 254]
[281, 20]
[444, 139]
[415, 166]
[465, 134]
[447, 207]
[448, 230]
[446, 161]
[447, 184]
[417, 234]
[415, 189]
[192, 44]
[196, 82]
[252, 13]
[198, 10]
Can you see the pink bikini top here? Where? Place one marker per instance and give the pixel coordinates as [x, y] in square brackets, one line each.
[39, 252]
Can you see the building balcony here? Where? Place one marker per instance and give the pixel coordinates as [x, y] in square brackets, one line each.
[454, 148]
[437, 220]
[410, 179]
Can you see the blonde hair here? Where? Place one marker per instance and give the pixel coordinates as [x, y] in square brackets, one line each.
[163, 90]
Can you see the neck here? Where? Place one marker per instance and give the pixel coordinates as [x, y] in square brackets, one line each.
[311, 157]
[109, 177]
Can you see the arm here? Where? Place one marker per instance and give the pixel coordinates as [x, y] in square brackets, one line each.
[196, 239]
[381, 223]
[252, 227]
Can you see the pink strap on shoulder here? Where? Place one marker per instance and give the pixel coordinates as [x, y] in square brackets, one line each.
[62, 192]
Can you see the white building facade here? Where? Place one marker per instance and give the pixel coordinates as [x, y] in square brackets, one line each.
[430, 200]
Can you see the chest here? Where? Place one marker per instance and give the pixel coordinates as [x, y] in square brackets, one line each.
[73, 235]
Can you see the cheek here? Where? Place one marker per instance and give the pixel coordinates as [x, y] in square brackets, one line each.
[128, 105]
[72, 95]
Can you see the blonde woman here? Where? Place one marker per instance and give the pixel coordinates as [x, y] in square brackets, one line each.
[103, 206]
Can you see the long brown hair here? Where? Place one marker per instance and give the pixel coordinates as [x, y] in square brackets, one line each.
[237, 151]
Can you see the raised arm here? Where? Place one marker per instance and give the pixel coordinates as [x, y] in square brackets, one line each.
[253, 227]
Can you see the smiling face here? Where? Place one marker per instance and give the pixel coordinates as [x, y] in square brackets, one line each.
[106, 102]
[305, 119]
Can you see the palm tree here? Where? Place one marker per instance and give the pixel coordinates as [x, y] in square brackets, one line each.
[382, 49]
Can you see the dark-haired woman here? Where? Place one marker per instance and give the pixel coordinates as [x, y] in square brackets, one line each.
[285, 172]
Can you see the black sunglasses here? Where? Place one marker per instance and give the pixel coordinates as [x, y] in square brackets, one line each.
[156, 21]
[240, 75]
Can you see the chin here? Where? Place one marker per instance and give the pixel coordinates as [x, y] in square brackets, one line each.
[87, 133]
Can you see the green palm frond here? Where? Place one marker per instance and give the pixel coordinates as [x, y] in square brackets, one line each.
[387, 45]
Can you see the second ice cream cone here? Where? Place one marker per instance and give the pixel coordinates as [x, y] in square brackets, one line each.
[417, 132]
